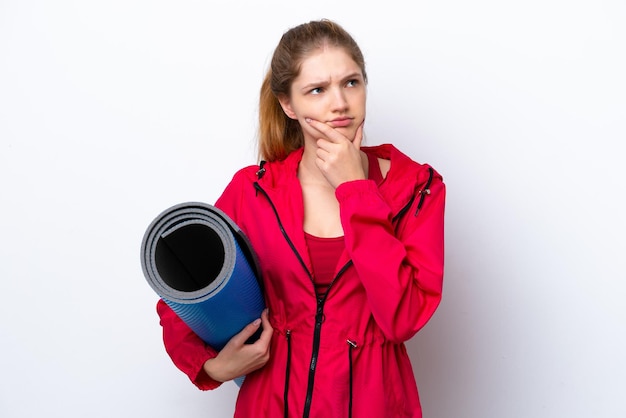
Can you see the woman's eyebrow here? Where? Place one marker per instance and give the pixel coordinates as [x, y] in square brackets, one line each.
[325, 82]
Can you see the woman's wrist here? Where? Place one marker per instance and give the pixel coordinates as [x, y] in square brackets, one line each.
[212, 371]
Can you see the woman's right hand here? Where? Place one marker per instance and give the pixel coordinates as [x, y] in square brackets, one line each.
[238, 358]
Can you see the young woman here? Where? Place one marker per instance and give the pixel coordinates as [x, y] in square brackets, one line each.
[349, 239]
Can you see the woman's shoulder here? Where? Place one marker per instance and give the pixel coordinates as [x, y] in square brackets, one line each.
[248, 172]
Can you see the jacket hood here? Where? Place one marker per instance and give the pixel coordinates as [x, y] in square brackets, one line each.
[404, 178]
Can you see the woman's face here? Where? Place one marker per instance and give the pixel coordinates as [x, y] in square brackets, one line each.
[330, 88]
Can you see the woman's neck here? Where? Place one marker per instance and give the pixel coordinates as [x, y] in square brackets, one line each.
[321, 208]
[308, 171]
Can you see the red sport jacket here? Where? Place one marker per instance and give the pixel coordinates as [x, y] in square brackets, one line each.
[342, 354]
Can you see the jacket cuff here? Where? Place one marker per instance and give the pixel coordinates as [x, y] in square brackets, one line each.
[202, 379]
[358, 188]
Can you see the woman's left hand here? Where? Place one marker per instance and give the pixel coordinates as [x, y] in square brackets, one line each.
[338, 157]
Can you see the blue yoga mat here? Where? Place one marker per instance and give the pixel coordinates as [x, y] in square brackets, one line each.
[202, 265]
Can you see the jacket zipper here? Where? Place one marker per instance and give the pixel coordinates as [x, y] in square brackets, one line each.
[319, 313]
[319, 320]
[258, 187]
[351, 346]
[287, 373]
[422, 194]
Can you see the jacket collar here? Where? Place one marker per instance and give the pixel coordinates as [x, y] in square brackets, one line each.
[404, 178]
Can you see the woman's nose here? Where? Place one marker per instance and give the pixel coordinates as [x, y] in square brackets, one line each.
[339, 101]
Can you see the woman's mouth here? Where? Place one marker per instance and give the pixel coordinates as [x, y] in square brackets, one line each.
[340, 122]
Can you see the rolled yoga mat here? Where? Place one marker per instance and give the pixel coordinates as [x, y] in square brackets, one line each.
[203, 266]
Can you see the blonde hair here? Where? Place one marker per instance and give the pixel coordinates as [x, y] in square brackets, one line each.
[278, 134]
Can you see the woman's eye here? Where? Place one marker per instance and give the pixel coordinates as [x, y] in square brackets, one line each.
[316, 90]
[352, 83]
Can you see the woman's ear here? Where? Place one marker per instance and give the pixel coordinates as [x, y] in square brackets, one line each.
[285, 103]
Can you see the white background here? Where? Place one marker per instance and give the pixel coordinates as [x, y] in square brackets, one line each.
[111, 111]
